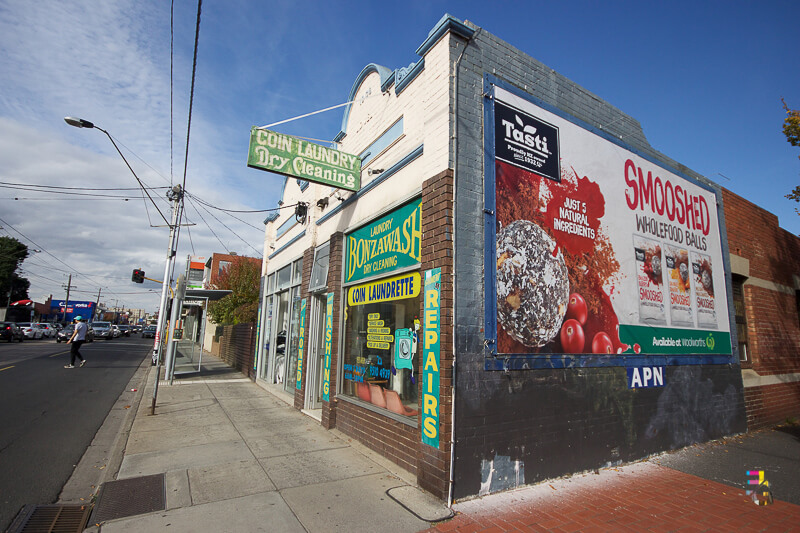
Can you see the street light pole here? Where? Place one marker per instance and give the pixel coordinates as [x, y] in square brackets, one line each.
[175, 195]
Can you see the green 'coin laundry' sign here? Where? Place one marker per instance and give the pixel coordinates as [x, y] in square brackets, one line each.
[290, 156]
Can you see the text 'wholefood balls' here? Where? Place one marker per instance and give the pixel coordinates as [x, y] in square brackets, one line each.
[532, 284]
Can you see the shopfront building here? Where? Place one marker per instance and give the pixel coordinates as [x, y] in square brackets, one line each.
[503, 297]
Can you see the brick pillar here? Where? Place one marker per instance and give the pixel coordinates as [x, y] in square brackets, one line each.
[433, 466]
[335, 286]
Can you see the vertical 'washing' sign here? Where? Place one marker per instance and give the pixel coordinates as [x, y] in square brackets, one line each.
[431, 359]
[326, 372]
[301, 343]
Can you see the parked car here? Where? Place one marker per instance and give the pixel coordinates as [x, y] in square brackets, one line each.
[10, 331]
[103, 330]
[66, 333]
[47, 330]
[30, 330]
[149, 331]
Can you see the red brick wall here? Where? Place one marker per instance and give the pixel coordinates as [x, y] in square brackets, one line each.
[237, 348]
[394, 440]
[215, 260]
[773, 323]
[433, 473]
[771, 404]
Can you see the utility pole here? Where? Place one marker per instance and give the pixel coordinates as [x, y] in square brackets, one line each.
[97, 305]
[66, 303]
[176, 195]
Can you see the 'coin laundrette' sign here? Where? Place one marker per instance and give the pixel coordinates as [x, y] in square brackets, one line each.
[290, 156]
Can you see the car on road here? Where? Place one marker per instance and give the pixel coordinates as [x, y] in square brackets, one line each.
[149, 331]
[30, 330]
[125, 329]
[48, 331]
[117, 332]
[65, 334]
[10, 331]
[103, 330]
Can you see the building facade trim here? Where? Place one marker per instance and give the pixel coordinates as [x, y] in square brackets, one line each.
[289, 243]
[751, 378]
[445, 24]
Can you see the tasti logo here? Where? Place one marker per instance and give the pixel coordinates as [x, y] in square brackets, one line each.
[525, 134]
[525, 141]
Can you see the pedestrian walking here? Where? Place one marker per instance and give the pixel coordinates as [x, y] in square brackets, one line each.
[77, 339]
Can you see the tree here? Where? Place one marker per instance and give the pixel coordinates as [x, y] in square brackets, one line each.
[791, 128]
[12, 254]
[242, 277]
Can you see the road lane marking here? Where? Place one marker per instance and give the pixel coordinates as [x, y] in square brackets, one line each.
[6, 368]
[59, 353]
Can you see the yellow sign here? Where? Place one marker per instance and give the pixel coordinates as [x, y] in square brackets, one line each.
[375, 323]
[379, 331]
[378, 345]
[381, 338]
[385, 290]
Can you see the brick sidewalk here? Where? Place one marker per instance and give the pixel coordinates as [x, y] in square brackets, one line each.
[639, 497]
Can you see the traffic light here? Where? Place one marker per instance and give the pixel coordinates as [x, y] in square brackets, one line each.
[138, 276]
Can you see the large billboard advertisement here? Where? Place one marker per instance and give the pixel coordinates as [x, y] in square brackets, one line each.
[597, 250]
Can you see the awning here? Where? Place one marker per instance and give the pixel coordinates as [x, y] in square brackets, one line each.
[212, 295]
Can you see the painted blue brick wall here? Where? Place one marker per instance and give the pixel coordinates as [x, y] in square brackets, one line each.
[555, 422]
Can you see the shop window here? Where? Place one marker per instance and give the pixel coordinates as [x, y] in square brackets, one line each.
[284, 277]
[270, 283]
[380, 355]
[222, 266]
[382, 142]
[286, 226]
[741, 317]
[319, 270]
[297, 272]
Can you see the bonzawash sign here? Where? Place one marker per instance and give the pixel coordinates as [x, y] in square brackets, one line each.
[597, 249]
[290, 156]
[390, 243]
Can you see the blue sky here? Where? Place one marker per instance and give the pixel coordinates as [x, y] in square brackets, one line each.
[703, 78]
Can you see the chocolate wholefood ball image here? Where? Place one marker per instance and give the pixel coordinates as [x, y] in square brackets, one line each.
[532, 284]
[683, 268]
[705, 279]
[655, 264]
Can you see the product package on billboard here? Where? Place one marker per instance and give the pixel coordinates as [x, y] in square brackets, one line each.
[704, 290]
[680, 286]
[593, 244]
[649, 280]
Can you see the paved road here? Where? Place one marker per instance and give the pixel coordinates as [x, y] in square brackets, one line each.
[49, 414]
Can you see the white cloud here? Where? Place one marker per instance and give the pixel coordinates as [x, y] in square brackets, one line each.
[107, 62]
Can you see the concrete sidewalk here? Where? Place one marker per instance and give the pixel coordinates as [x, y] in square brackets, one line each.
[235, 457]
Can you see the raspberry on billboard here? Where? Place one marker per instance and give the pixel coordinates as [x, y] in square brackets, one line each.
[526, 142]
